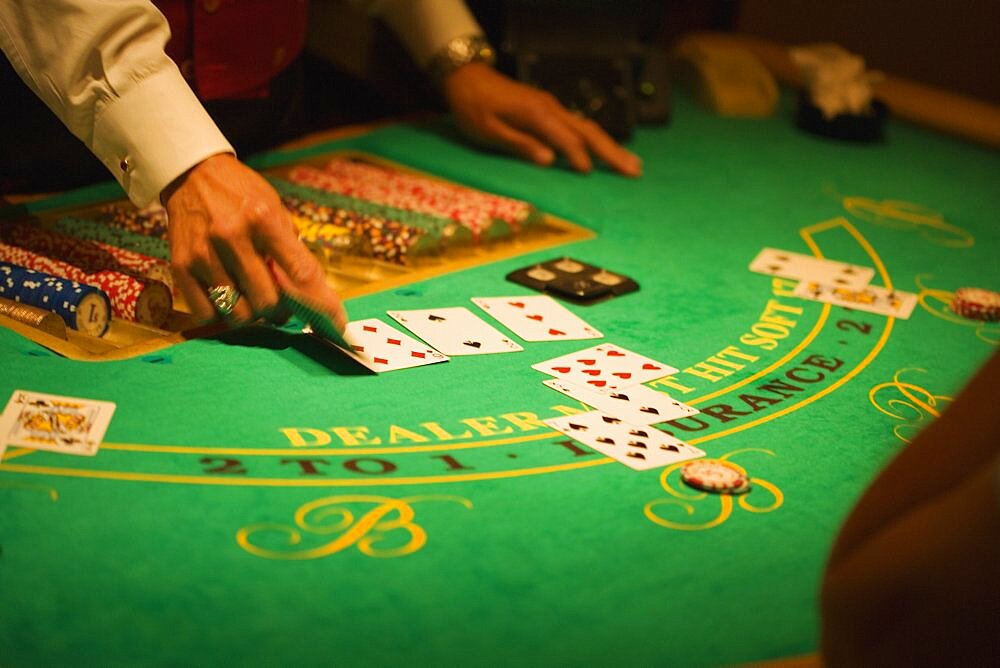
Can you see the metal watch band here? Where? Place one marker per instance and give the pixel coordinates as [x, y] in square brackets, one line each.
[460, 51]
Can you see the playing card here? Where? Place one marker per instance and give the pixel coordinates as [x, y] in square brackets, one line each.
[54, 423]
[381, 348]
[455, 331]
[605, 366]
[872, 298]
[640, 447]
[806, 267]
[537, 318]
[637, 404]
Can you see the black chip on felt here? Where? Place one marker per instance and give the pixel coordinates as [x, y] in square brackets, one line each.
[573, 280]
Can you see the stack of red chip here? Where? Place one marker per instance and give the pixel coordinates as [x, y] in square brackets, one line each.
[472, 209]
[469, 217]
[976, 304]
[509, 210]
[138, 300]
[91, 256]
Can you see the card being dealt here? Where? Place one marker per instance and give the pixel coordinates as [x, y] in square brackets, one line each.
[637, 404]
[605, 366]
[872, 298]
[455, 331]
[806, 267]
[640, 447]
[537, 318]
[57, 424]
[381, 348]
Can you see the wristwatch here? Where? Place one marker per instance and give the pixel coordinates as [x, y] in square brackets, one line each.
[460, 51]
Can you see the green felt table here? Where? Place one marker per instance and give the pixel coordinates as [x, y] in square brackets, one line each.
[258, 500]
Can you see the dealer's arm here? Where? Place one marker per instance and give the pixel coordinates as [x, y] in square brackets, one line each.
[101, 67]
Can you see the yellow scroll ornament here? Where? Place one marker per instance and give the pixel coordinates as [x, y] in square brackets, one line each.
[685, 498]
[386, 529]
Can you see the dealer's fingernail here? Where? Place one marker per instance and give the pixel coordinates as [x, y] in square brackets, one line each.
[544, 156]
[633, 165]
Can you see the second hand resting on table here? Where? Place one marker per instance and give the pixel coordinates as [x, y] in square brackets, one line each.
[496, 110]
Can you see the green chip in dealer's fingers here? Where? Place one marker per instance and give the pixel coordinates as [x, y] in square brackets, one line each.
[312, 316]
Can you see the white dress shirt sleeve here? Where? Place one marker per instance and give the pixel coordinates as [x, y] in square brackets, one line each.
[100, 66]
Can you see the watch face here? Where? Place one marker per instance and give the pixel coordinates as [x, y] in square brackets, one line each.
[461, 50]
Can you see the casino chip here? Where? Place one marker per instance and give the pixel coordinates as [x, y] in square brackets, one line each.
[712, 475]
[976, 304]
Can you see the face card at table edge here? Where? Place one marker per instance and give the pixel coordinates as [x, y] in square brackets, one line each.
[640, 447]
[636, 404]
[69, 425]
[381, 348]
[775, 262]
[537, 318]
[871, 298]
[455, 331]
[605, 366]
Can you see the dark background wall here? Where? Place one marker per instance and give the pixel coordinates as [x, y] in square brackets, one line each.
[954, 45]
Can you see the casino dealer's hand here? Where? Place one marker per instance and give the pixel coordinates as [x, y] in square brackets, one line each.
[226, 225]
[496, 110]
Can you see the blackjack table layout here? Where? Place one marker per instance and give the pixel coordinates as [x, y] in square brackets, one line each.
[260, 498]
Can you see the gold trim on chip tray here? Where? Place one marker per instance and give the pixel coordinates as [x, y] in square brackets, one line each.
[41, 319]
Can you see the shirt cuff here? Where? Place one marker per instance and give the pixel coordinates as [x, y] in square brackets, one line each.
[154, 133]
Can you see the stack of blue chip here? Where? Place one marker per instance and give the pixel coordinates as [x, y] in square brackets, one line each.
[83, 307]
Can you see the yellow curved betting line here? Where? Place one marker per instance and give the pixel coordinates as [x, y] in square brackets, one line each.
[495, 475]
[880, 267]
[447, 447]
[805, 402]
[350, 451]
[792, 353]
[280, 482]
